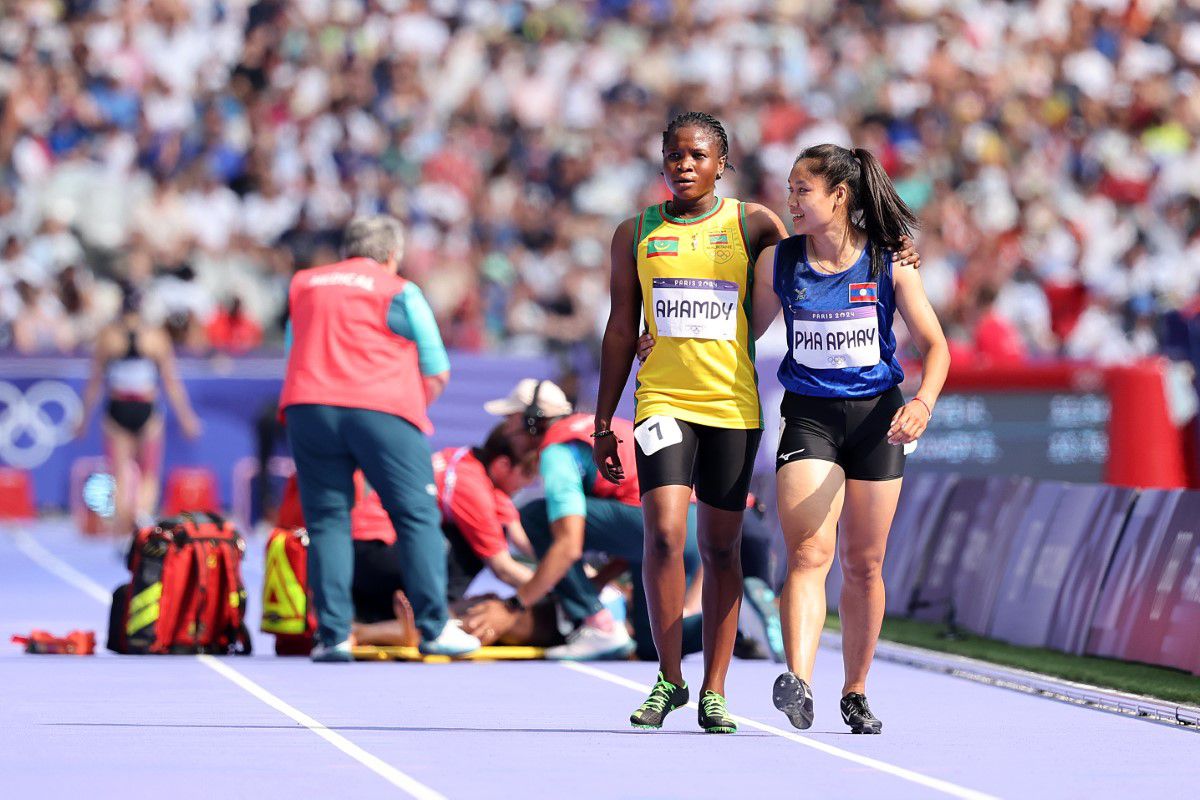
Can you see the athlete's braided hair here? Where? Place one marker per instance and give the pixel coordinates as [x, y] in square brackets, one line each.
[708, 123]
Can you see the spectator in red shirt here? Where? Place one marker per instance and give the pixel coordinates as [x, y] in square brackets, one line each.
[996, 340]
[231, 331]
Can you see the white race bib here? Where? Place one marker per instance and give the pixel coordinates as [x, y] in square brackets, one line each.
[654, 433]
[695, 308]
[836, 339]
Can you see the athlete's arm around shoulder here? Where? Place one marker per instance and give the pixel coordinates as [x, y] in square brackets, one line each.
[764, 230]
[925, 329]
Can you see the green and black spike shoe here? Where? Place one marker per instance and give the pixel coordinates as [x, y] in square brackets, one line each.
[664, 698]
[714, 717]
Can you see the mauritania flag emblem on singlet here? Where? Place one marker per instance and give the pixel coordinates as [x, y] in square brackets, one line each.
[695, 280]
[662, 246]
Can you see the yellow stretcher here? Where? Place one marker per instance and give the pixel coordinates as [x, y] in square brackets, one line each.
[385, 653]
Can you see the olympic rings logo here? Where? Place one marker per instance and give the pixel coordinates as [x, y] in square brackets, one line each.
[34, 423]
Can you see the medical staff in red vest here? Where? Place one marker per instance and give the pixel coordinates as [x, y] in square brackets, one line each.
[366, 359]
[475, 488]
[580, 512]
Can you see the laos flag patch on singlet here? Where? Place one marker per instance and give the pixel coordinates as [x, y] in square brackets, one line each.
[695, 308]
[836, 339]
[864, 292]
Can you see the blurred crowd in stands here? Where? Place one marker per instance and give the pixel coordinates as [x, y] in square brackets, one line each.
[203, 150]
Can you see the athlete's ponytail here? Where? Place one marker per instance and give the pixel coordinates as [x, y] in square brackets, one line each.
[885, 217]
[874, 204]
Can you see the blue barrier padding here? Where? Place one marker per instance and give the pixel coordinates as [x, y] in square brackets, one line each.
[972, 498]
[1026, 505]
[1163, 623]
[1102, 511]
[918, 522]
[1026, 600]
[1127, 582]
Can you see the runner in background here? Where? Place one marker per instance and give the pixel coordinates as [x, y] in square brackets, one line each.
[129, 362]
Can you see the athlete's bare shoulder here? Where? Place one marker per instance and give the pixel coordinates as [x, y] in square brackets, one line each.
[110, 341]
[623, 238]
[154, 341]
[628, 226]
[759, 216]
[763, 227]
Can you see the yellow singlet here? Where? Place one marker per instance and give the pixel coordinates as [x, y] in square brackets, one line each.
[695, 277]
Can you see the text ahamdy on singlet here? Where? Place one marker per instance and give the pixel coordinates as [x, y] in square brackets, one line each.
[698, 308]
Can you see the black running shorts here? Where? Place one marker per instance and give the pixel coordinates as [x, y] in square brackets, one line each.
[850, 433]
[131, 415]
[718, 462]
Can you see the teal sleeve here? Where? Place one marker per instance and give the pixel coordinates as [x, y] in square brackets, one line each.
[411, 317]
[287, 338]
[564, 469]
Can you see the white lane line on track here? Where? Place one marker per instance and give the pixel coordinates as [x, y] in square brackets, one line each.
[374, 763]
[954, 790]
[38, 554]
[59, 568]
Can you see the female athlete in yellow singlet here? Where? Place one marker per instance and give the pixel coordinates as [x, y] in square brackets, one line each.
[685, 268]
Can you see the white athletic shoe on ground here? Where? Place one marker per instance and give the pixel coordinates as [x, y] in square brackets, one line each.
[452, 641]
[331, 655]
[591, 643]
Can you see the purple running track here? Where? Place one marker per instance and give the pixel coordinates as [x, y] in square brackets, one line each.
[127, 726]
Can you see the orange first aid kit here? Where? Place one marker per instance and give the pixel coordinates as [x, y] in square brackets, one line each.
[75, 643]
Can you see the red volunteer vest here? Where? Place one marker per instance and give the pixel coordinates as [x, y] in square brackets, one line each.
[578, 428]
[343, 353]
[368, 520]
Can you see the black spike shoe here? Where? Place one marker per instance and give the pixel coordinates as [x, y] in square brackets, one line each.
[858, 716]
[793, 696]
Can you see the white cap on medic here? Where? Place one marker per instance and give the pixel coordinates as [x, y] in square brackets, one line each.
[551, 400]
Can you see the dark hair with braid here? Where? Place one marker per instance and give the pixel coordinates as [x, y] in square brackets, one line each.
[706, 122]
[884, 216]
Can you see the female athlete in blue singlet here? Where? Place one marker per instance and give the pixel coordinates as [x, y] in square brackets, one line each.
[845, 424]
[130, 360]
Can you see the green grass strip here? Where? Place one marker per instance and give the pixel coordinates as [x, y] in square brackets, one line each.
[1125, 676]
